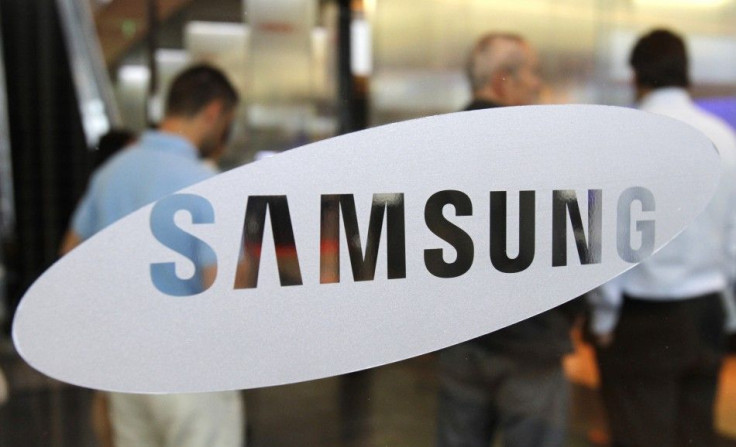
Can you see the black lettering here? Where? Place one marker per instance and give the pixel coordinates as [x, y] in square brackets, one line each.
[588, 252]
[364, 267]
[287, 259]
[499, 253]
[450, 233]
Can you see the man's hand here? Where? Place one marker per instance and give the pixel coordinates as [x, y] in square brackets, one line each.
[70, 242]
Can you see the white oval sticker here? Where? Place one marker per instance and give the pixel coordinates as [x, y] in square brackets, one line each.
[367, 248]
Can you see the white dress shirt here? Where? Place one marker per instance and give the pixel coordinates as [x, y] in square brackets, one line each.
[699, 261]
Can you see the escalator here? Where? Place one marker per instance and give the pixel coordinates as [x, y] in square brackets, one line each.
[58, 103]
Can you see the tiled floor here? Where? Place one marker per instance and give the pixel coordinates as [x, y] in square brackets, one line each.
[389, 406]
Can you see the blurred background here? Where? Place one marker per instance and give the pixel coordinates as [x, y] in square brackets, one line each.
[307, 70]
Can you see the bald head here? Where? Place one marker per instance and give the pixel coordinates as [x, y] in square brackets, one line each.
[503, 68]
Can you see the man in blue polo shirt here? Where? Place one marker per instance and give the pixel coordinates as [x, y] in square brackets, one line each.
[199, 111]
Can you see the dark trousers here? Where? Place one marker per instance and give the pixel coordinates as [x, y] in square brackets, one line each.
[483, 394]
[659, 377]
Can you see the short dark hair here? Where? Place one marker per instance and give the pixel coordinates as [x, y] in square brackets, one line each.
[196, 87]
[659, 59]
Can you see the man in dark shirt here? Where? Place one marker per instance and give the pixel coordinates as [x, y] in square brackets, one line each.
[510, 381]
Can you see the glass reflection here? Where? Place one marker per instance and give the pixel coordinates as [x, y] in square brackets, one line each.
[583, 49]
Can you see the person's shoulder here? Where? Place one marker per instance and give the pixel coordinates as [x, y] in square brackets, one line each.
[720, 126]
[480, 104]
[720, 132]
[188, 172]
[118, 161]
[200, 168]
[717, 130]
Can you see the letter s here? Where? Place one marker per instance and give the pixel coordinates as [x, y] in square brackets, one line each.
[165, 230]
[450, 233]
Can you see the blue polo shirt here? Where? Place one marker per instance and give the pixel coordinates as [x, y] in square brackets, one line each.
[158, 165]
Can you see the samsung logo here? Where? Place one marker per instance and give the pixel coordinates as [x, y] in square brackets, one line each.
[366, 249]
[388, 211]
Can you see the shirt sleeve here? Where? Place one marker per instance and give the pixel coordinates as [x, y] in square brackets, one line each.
[84, 217]
[606, 303]
[729, 245]
[730, 228]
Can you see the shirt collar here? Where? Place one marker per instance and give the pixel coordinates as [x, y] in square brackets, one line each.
[668, 96]
[168, 142]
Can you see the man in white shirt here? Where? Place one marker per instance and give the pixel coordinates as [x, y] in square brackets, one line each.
[660, 327]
